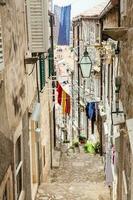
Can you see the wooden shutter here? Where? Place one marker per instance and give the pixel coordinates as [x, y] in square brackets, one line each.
[50, 60]
[35, 9]
[1, 48]
[42, 71]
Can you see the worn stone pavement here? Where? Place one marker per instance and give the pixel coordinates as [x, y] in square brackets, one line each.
[79, 177]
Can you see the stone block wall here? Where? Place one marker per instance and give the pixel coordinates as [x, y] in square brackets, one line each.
[17, 92]
[126, 93]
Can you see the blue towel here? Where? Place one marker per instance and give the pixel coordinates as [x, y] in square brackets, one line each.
[91, 111]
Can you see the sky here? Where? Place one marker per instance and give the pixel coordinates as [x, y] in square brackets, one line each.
[78, 6]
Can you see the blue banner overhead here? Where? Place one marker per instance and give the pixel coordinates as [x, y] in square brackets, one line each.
[64, 26]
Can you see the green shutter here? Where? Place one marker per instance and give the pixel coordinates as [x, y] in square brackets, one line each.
[50, 59]
[42, 71]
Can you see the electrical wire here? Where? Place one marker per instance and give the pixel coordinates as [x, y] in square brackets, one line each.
[32, 70]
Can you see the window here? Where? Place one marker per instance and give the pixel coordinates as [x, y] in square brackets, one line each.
[36, 25]
[19, 167]
[42, 71]
[18, 151]
[1, 49]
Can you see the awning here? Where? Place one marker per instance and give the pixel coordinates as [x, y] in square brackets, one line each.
[116, 33]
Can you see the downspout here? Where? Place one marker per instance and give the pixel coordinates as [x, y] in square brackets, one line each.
[37, 83]
[101, 93]
[53, 86]
[38, 144]
[78, 65]
[53, 73]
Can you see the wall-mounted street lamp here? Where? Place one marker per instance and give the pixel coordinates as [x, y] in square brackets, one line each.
[86, 64]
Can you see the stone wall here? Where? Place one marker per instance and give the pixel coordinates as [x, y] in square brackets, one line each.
[126, 72]
[17, 93]
[45, 131]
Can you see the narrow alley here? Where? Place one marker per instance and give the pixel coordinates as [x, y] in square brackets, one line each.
[79, 177]
[66, 100]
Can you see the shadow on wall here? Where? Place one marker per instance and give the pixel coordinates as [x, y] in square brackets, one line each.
[17, 98]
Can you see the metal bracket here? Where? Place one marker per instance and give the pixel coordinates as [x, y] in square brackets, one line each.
[31, 60]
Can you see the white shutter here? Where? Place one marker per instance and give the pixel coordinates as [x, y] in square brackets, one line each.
[35, 9]
[1, 49]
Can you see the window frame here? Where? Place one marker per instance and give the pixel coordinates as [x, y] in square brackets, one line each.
[19, 167]
[7, 185]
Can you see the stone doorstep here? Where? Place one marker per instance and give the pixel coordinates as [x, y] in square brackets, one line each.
[56, 159]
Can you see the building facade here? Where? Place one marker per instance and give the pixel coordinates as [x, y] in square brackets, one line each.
[26, 98]
[86, 33]
[116, 94]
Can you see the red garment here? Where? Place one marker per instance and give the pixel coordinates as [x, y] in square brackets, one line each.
[59, 90]
[68, 104]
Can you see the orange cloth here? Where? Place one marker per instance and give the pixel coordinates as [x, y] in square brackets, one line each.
[63, 102]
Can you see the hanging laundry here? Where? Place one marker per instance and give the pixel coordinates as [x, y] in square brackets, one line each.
[64, 29]
[63, 102]
[91, 111]
[91, 114]
[59, 90]
[68, 104]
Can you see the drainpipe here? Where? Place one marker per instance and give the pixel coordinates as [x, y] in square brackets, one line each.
[53, 73]
[52, 120]
[37, 84]
[78, 64]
